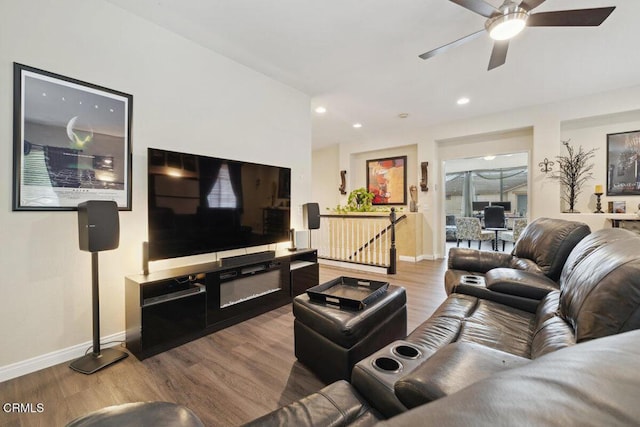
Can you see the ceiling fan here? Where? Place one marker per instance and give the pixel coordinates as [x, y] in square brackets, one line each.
[506, 21]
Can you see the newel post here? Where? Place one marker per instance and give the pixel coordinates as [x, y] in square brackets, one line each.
[392, 249]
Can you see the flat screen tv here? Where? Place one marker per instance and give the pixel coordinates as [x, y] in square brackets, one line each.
[200, 204]
[479, 206]
[505, 205]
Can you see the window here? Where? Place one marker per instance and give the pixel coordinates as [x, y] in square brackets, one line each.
[222, 194]
[471, 182]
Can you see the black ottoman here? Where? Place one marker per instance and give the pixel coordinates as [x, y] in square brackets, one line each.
[329, 340]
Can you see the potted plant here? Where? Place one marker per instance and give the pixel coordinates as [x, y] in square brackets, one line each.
[360, 200]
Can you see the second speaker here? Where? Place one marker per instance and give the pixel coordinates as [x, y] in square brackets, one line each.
[311, 215]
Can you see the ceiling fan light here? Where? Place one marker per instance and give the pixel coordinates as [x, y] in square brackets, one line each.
[505, 27]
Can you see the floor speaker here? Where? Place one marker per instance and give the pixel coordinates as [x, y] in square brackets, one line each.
[99, 230]
[98, 225]
[311, 215]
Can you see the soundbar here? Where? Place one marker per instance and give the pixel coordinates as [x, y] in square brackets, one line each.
[239, 260]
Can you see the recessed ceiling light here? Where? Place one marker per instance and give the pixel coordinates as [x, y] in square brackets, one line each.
[321, 110]
[489, 157]
[463, 101]
[403, 115]
[357, 125]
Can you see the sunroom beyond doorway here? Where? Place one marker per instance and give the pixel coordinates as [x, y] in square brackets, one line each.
[475, 183]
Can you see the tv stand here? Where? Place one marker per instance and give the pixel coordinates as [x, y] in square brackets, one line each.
[168, 308]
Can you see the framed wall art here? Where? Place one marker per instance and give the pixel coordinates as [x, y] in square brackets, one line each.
[387, 180]
[72, 142]
[623, 163]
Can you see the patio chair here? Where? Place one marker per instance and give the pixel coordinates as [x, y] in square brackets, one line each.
[512, 235]
[468, 228]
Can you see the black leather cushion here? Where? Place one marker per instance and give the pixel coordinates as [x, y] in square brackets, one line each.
[601, 284]
[336, 405]
[346, 327]
[444, 325]
[551, 331]
[466, 318]
[521, 283]
[451, 369]
[548, 242]
[453, 284]
[474, 261]
[589, 384]
[140, 414]
[499, 326]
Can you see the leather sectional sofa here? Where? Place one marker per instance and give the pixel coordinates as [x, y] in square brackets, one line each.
[571, 361]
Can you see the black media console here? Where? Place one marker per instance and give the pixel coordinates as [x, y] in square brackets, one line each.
[168, 308]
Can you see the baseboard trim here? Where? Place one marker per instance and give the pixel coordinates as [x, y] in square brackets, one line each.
[353, 266]
[37, 363]
[417, 258]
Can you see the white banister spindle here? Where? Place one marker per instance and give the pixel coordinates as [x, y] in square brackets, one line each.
[361, 239]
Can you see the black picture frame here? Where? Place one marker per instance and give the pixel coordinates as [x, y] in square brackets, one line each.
[72, 142]
[623, 163]
[387, 180]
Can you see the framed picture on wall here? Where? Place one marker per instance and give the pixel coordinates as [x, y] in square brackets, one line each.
[623, 163]
[387, 180]
[72, 142]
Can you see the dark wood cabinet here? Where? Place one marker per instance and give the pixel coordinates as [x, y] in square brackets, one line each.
[168, 308]
[305, 273]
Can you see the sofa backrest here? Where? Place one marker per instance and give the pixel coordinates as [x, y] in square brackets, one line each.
[600, 284]
[548, 242]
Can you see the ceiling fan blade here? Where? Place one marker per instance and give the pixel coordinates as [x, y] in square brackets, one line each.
[570, 18]
[498, 54]
[478, 6]
[448, 46]
[531, 4]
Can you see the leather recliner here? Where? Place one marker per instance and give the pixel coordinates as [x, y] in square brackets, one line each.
[523, 277]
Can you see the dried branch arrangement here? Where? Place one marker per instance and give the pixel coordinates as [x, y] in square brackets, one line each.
[575, 170]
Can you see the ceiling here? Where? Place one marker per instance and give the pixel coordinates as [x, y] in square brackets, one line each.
[359, 58]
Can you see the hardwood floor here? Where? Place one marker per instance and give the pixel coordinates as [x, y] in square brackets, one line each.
[226, 378]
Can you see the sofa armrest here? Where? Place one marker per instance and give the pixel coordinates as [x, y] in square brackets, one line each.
[338, 404]
[520, 283]
[451, 369]
[477, 261]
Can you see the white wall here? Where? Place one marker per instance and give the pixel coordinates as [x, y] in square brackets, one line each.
[326, 178]
[185, 98]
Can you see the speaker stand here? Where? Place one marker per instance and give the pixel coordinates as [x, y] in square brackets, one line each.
[92, 362]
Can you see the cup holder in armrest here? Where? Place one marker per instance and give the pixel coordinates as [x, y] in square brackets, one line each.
[387, 364]
[469, 279]
[406, 351]
[375, 376]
